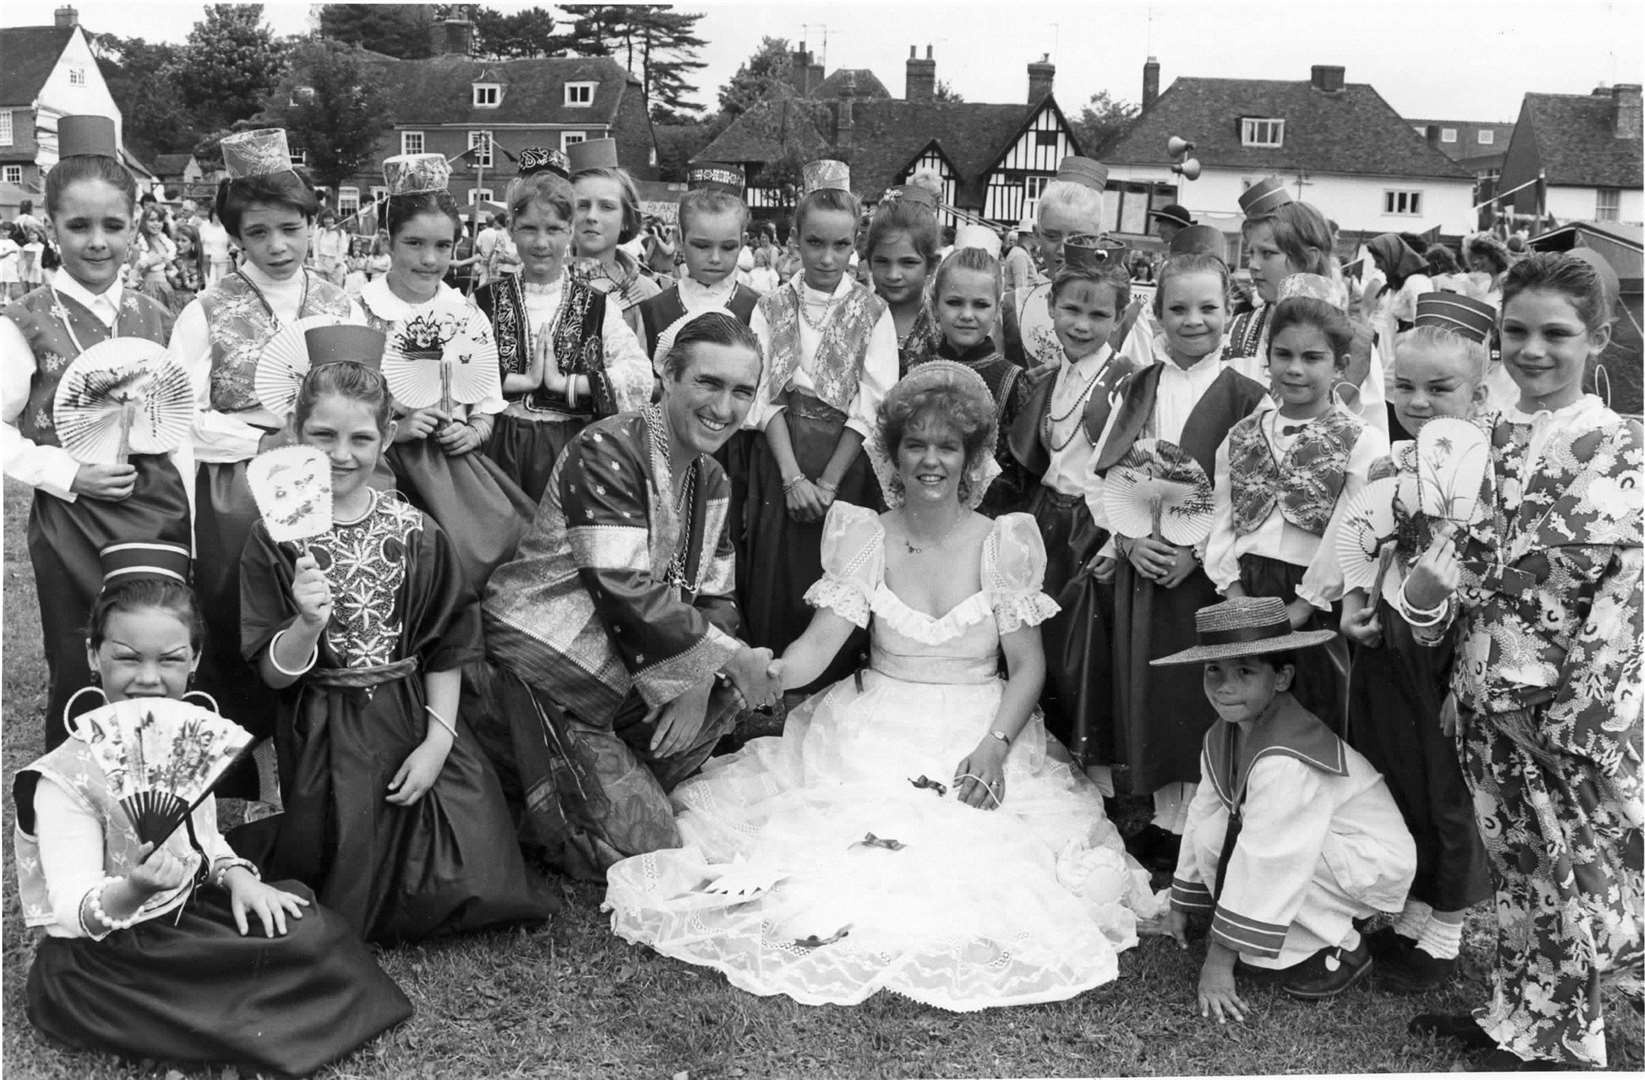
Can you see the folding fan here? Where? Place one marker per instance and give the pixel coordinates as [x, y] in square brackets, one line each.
[161, 758]
[292, 488]
[120, 397]
[1365, 537]
[1452, 458]
[462, 371]
[284, 362]
[1157, 490]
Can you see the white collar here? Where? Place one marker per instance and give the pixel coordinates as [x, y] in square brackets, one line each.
[694, 295]
[1209, 361]
[1085, 363]
[377, 296]
[106, 301]
[267, 284]
[1575, 410]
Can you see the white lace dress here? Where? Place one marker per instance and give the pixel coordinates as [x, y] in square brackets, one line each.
[949, 905]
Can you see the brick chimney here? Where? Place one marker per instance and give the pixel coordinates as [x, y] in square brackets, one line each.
[453, 37]
[65, 17]
[1040, 74]
[920, 84]
[845, 118]
[1150, 82]
[1327, 77]
[799, 70]
[1432, 135]
[1628, 117]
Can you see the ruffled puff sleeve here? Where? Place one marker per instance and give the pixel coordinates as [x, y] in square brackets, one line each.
[853, 562]
[1013, 574]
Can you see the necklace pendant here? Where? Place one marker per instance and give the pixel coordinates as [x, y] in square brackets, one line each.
[912, 550]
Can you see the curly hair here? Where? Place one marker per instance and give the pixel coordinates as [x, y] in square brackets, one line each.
[546, 189]
[970, 414]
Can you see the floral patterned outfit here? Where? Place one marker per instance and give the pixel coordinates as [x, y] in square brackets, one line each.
[1548, 682]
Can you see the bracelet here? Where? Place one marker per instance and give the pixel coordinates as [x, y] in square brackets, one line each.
[94, 903]
[1422, 617]
[308, 665]
[792, 482]
[824, 485]
[223, 866]
[442, 721]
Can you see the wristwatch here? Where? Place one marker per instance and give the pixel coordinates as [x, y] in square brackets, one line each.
[1001, 736]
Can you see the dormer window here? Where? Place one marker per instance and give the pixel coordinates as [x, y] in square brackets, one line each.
[1487, 137]
[487, 95]
[1448, 135]
[1261, 132]
[579, 94]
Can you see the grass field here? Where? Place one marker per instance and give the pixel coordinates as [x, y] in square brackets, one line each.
[573, 1001]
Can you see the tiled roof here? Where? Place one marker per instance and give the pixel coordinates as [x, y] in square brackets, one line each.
[1575, 137]
[439, 90]
[30, 53]
[170, 164]
[865, 85]
[1351, 131]
[763, 132]
[1467, 145]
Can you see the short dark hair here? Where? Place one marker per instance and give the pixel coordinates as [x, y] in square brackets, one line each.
[142, 593]
[712, 328]
[1567, 275]
[1109, 272]
[402, 208]
[1307, 311]
[77, 167]
[630, 197]
[287, 189]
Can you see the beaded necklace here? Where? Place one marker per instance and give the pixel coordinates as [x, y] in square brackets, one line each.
[1079, 404]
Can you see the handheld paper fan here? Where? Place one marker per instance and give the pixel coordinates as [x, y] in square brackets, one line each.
[1365, 538]
[292, 487]
[461, 371]
[161, 758]
[284, 362]
[120, 397]
[1158, 490]
[1452, 457]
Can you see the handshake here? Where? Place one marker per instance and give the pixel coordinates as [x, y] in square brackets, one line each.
[758, 676]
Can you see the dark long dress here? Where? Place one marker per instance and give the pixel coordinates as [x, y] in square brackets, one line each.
[1321, 672]
[482, 511]
[448, 862]
[64, 537]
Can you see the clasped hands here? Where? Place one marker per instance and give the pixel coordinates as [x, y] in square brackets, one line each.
[1157, 560]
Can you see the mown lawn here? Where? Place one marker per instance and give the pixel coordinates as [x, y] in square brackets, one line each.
[572, 1001]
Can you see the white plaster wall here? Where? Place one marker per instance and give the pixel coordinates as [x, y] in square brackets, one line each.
[59, 98]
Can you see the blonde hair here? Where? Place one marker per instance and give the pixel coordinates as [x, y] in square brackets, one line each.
[1437, 337]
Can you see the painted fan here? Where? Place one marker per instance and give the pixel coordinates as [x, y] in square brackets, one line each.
[292, 487]
[1158, 490]
[1452, 457]
[421, 372]
[284, 362]
[161, 758]
[1366, 536]
[121, 397]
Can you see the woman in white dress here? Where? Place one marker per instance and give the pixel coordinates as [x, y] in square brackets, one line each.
[914, 829]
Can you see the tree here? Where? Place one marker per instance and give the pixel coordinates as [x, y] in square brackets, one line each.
[519, 35]
[946, 93]
[400, 30]
[677, 144]
[229, 65]
[141, 77]
[332, 106]
[754, 81]
[654, 41]
[1103, 121]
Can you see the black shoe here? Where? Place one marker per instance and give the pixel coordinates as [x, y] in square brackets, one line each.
[1386, 942]
[1327, 973]
[1460, 1027]
[1415, 971]
[1155, 848]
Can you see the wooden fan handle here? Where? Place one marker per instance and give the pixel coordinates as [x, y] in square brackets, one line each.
[128, 417]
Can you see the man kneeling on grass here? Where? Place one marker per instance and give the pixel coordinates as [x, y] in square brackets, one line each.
[1292, 835]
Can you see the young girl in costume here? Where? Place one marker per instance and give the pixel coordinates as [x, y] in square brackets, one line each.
[151, 257]
[1547, 680]
[437, 460]
[1279, 476]
[830, 355]
[179, 953]
[565, 354]
[392, 813]
[1190, 400]
[1053, 438]
[902, 251]
[269, 210]
[966, 299]
[78, 509]
[607, 208]
[1396, 687]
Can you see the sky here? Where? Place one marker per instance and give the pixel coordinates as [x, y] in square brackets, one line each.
[1434, 59]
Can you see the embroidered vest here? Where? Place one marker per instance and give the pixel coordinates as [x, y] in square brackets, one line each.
[1305, 486]
[241, 324]
[53, 346]
[579, 345]
[665, 309]
[837, 368]
[72, 767]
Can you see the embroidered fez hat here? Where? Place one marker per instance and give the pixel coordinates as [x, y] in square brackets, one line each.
[1244, 626]
[977, 236]
[1264, 197]
[333, 344]
[1175, 214]
[414, 174]
[128, 560]
[1200, 240]
[263, 152]
[1087, 172]
[88, 135]
[536, 159]
[592, 154]
[1083, 251]
[1473, 319]
[716, 177]
[824, 173]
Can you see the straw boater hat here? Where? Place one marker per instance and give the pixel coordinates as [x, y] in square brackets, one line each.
[592, 154]
[263, 152]
[332, 344]
[824, 173]
[1473, 319]
[1264, 197]
[536, 159]
[1087, 172]
[88, 136]
[415, 174]
[1200, 240]
[1244, 626]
